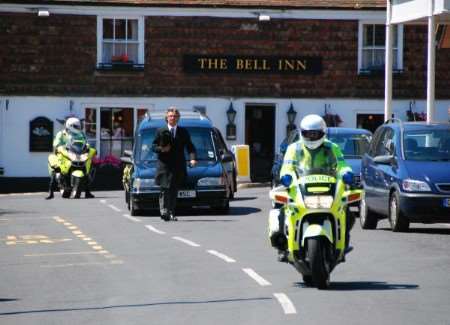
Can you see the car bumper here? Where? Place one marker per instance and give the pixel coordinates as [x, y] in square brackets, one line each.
[426, 208]
[203, 199]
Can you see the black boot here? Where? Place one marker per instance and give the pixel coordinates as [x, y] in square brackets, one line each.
[50, 195]
[88, 194]
[51, 186]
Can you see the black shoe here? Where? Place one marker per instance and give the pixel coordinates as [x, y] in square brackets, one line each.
[50, 196]
[165, 217]
[89, 195]
[282, 256]
[173, 218]
[348, 249]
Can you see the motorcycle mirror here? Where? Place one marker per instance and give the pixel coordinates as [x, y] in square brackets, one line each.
[286, 180]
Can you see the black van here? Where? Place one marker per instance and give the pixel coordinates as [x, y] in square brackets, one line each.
[210, 184]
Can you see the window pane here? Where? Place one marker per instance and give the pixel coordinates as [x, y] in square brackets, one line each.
[133, 29]
[380, 32]
[105, 123]
[119, 49]
[368, 35]
[379, 59]
[366, 59]
[120, 29]
[394, 59]
[108, 28]
[132, 51]
[107, 52]
[141, 114]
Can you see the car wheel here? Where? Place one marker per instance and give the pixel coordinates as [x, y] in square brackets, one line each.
[367, 218]
[224, 209]
[133, 210]
[398, 221]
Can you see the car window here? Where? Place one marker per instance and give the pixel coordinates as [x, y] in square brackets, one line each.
[375, 141]
[221, 145]
[427, 145]
[200, 137]
[352, 145]
[386, 137]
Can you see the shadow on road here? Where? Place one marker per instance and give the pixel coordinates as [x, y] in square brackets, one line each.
[430, 231]
[244, 198]
[366, 285]
[8, 299]
[234, 211]
[153, 304]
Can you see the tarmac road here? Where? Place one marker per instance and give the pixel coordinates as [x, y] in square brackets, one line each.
[89, 262]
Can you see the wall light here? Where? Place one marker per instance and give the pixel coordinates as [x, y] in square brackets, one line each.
[262, 17]
[291, 114]
[231, 127]
[43, 13]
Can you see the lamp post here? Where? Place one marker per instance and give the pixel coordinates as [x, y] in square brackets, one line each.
[231, 127]
[291, 114]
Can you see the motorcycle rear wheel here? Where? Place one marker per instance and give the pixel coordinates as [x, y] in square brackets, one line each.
[317, 258]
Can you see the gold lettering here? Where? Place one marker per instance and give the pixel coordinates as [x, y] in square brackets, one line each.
[291, 65]
[213, 63]
[223, 64]
[239, 64]
[248, 64]
[202, 63]
[265, 66]
[301, 65]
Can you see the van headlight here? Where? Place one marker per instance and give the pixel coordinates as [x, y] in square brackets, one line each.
[411, 185]
[142, 184]
[210, 181]
[318, 201]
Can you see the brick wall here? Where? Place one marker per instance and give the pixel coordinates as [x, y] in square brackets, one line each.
[57, 56]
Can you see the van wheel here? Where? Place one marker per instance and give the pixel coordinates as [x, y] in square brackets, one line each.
[367, 218]
[132, 207]
[399, 223]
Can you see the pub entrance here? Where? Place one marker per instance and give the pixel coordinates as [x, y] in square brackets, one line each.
[260, 137]
[369, 121]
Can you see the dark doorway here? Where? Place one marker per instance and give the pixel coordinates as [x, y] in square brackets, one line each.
[369, 121]
[260, 136]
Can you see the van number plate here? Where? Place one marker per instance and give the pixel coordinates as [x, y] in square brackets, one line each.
[447, 203]
[186, 194]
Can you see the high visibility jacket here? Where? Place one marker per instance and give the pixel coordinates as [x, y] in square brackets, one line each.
[328, 156]
[62, 137]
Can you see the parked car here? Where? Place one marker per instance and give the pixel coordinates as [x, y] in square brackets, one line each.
[353, 143]
[211, 183]
[406, 175]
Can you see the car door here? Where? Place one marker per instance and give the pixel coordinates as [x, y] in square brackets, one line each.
[227, 163]
[370, 172]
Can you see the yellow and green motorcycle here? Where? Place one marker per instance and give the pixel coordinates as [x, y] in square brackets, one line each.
[310, 227]
[73, 167]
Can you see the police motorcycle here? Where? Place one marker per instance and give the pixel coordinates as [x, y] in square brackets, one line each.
[314, 207]
[73, 166]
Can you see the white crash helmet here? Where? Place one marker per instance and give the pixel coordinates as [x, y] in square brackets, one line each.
[313, 130]
[73, 125]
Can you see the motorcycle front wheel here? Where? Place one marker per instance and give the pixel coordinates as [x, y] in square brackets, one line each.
[318, 263]
[76, 189]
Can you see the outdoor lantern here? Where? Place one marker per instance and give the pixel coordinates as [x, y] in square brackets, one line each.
[231, 127]
[291, 114]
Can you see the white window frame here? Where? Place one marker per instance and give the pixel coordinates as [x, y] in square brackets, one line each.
[141, 36]
[399, 44]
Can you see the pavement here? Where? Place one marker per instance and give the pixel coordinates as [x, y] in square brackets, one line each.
[253, 185]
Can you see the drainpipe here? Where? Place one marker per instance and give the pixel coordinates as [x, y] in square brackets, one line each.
[388, 64]
[431, 61]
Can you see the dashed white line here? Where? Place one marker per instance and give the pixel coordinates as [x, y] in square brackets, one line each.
[151, 228]
[255, 276]
[103, 201]
[222, 256]
[114, 208]
[131, 218]
[186, 241]
[286, 303]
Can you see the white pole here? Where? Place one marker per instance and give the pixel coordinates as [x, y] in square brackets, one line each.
[388, 65]
[431, 62]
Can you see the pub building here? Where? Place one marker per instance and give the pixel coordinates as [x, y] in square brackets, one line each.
[256, 68]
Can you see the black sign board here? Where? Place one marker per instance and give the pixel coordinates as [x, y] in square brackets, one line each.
[41, 135]
[252, 64]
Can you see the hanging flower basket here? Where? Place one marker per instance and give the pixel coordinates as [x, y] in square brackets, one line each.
[416, 116]
[108, 173]
[332, 119]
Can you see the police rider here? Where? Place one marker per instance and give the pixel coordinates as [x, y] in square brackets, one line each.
[72, 129]
[313, 150]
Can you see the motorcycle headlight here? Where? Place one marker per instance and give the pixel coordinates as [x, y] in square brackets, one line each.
[318, 201]
[208, 181]
[412, 185]
[142, 184]
[72, 156]
[84, 157]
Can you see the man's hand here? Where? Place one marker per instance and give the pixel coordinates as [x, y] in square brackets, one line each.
[193, 162]
[165, 148]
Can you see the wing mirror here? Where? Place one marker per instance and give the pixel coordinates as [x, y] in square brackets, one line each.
[384, 160]
[127, 157]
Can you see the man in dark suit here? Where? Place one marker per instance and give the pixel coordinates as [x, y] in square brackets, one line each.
[170, 142]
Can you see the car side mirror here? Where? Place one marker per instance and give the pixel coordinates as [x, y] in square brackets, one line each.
[227, 157]
[384, 160]
[128, 153]
[126, 160]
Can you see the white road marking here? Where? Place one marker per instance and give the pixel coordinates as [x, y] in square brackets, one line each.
[114, 208]
[23, 194]
[255, 276]
[103, 201]
[60, 254]
[222, 256]
[444, 224]
[285, 303]
[151, 228]
[132, 218]
[83, 264]
[186, 241]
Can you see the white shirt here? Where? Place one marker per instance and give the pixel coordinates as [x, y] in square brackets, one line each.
[174, 130]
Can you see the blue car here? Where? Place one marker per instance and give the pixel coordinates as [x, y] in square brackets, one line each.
[210, 184]
[406, 175]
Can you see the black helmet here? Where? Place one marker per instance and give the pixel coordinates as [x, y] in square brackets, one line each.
[166, 138]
